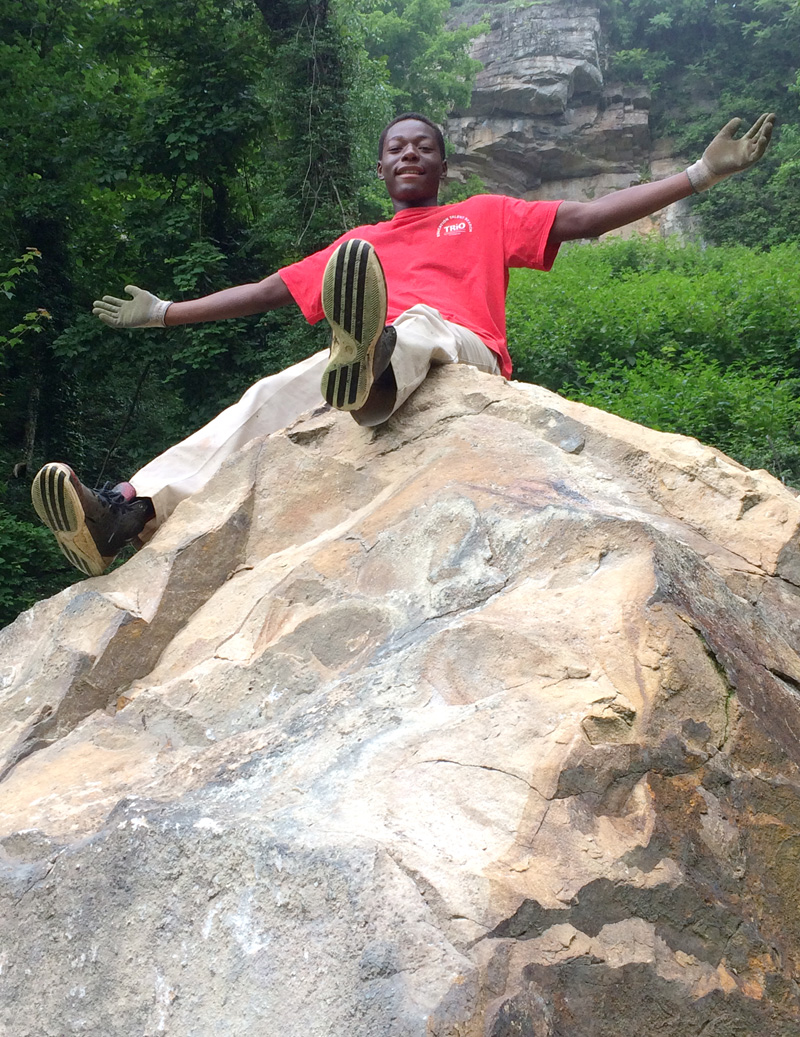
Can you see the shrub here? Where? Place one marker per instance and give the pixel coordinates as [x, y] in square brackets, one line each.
[703, 342]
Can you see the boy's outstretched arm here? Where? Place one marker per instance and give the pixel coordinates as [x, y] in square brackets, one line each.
[146, 310]
[723, 157]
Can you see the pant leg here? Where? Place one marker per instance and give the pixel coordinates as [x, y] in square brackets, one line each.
[424, 337]
[270, 404]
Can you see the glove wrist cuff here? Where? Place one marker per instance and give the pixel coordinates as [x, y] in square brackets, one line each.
[159, 313]
[701, 176]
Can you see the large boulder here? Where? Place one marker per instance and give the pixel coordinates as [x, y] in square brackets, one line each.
[484, 722]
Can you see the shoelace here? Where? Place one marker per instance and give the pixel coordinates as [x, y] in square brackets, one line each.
[110, 497]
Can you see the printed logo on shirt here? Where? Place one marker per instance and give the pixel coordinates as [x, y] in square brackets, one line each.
[451, 226]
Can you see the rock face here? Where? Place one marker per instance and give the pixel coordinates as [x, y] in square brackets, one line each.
[544, 121]
[482, 723]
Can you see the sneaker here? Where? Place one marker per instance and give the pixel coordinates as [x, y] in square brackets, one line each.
[91, 526]
[354, 303]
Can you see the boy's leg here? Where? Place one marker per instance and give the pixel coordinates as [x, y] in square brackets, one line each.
[354, 290]
[354, 300]
[423, 338]
[404, 353]
[92, 526]
[270, 404]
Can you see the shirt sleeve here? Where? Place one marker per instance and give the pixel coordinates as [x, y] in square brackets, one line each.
[526, 229]
[304, 281]
[304, 278]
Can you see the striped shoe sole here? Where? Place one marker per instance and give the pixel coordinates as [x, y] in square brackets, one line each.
[58, 505]
[354, 302]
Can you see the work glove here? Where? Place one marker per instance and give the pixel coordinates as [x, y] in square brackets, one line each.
[144, 310]
[725, 156]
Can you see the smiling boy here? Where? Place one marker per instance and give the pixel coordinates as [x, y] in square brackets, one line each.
[426, 287]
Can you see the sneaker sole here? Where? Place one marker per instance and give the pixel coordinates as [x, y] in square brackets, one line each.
[354, 303]
[56, 502]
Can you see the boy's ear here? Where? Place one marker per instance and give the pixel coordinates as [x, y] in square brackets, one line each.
[379, 170]
[444, 170]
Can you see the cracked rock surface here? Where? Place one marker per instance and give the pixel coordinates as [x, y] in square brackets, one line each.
[483, 723]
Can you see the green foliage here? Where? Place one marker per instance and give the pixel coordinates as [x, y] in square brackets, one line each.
[428, 65]
[705, 342]
[752, 414]
[639, 65]
[32, 322]
[708, 61]
[453, 191]
[31, 564]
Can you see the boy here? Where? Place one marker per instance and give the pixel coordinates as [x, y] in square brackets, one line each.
[426, 287]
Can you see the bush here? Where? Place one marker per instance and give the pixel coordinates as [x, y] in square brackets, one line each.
[750, 414]
[703, 342]
[31, 564]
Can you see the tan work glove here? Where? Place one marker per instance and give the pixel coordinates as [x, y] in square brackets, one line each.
[725, 156]
[144, 310]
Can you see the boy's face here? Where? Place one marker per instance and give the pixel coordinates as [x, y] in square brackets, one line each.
[411, 165]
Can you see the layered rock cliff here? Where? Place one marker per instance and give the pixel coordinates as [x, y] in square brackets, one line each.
[544, 120]
[482, 723]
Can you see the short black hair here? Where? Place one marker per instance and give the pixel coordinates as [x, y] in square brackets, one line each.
[420, 118]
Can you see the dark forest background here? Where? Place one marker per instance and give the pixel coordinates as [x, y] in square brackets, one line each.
[185, 147]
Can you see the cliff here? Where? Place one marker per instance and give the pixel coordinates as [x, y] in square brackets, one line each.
[482, 723]
[544, 120]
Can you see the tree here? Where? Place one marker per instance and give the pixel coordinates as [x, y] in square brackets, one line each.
[429, 67]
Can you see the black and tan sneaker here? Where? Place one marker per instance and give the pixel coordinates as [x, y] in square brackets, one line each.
[91, 526]
[354, 302]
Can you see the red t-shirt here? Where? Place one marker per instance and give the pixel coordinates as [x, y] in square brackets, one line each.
[454, 258]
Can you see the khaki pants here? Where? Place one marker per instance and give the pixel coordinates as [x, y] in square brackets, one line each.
[424, 337]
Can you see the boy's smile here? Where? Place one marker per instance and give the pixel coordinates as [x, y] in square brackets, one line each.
[411, 165]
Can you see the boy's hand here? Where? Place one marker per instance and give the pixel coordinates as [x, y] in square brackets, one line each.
[725, 156]
[144, 310]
